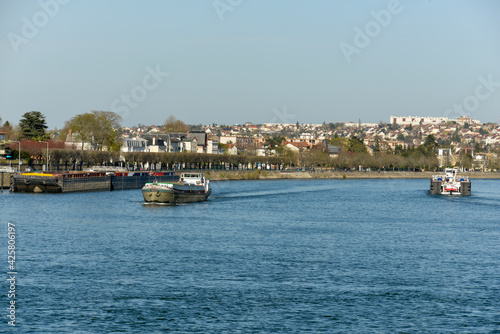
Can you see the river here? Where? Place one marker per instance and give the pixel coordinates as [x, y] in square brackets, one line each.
[274, 256]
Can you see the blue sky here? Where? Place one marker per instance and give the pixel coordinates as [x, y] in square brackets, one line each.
[233, 61]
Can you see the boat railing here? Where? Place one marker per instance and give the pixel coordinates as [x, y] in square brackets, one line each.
[444, 178]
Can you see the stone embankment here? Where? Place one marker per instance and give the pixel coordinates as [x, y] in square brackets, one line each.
[5, 180]
[273, 175]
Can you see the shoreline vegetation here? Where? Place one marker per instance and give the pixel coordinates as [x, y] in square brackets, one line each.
[276, 175]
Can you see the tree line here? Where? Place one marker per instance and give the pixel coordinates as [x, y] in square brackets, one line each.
[78, 159]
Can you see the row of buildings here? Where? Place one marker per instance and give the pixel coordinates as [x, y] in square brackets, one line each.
[201, 141]
[249, 138]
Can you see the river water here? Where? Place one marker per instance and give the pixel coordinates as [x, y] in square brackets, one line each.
[283, 256]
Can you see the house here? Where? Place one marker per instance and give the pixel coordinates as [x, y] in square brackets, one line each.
[201, 138]
[444, 156]
[212, 146]
[292, 147]
[232, 149]
[299, 145]
[189, 145]
[134, 145]
[156, 143]
[171, 142]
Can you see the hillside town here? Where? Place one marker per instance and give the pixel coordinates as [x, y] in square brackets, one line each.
[453, 139]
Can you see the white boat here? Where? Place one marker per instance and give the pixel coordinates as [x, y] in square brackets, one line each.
[450, 183]
[191, 187]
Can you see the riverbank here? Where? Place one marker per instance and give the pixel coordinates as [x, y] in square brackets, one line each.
[273, 175]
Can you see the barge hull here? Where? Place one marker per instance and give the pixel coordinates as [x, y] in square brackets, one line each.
[173, 196]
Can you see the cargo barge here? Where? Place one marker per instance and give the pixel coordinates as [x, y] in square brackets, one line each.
[85, 181]
[192, 187]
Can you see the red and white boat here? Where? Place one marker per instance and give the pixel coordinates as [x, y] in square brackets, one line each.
[450, 183]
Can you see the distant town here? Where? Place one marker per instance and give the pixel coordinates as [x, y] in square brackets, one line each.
[423, 141]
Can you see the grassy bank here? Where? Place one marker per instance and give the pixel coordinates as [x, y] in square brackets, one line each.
[273, 175]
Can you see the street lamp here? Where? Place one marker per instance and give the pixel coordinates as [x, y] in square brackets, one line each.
[15, 141]
[47, 160]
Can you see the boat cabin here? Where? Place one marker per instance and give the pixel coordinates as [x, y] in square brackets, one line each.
[192, 178]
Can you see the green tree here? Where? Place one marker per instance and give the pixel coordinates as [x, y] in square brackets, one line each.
[7, 128]
[483, 131]
[377, 144]
[33, 126]
[274, 143]
[399, 149]
[356, 145]
[99, 129]
[478, 148]
[342, 143]
[430, 140]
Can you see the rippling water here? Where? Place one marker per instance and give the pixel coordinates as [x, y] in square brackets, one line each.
[284, 256]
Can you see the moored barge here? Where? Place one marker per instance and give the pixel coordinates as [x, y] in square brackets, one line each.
[58, 182]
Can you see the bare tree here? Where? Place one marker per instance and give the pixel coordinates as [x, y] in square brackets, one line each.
[174, 125]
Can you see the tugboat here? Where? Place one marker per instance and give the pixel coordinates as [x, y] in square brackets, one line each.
[191, 187]
[450, 183]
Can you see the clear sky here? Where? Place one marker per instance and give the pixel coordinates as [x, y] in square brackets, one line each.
[233, 61]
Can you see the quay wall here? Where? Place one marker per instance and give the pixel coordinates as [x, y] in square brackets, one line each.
[5, 180]
[122, 182]
[272, 175]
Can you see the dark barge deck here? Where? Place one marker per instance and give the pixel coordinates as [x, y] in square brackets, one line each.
[85, 181]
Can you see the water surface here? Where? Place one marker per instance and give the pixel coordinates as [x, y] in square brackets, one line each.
[283, 256]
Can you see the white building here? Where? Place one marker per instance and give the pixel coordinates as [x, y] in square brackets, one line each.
[227, 139]
[465, 119]
[416, 120]
[134, 145]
